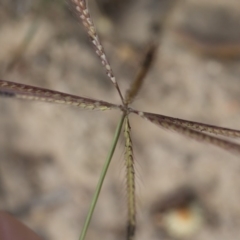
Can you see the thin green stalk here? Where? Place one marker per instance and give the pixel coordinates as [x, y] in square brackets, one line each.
[102, 177]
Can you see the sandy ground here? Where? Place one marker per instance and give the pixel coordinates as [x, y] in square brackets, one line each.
[51, 155]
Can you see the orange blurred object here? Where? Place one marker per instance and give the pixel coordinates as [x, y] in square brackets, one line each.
[12, 229]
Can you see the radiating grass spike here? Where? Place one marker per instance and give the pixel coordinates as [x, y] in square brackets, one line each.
[138, 81]
[191, 133]
[22, 91]
[201, 127]
[130, 181]
[84, 15]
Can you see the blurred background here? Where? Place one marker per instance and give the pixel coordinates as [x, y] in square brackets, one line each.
[51, 155]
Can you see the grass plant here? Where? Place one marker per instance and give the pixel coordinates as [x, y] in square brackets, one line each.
[202, 132]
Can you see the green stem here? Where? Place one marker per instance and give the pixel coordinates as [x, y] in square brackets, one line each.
[102, 177]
